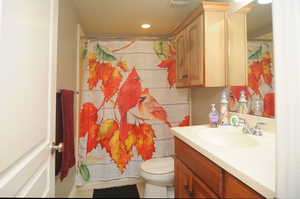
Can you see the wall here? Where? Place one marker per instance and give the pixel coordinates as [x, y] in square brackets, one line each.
[66, 71]
[201, 100]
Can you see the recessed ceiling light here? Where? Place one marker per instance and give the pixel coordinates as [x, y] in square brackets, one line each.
[264, 1]
[145, 26]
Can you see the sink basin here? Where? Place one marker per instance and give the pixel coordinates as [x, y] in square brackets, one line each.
[227, 137]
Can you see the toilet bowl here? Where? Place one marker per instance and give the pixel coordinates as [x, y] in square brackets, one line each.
[159, 177]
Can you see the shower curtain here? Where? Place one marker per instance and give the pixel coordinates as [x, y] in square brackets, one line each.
[128, 104]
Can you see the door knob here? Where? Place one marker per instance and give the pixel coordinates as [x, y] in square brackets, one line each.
[57, 147]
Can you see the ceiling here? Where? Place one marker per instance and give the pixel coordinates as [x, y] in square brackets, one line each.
[259, 20]
[124, 17]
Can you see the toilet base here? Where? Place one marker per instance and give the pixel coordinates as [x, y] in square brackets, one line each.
[154, 191]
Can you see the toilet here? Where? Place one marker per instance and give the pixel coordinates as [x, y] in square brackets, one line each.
[159, 177]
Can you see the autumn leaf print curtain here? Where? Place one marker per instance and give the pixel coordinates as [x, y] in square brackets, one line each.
[128, 104]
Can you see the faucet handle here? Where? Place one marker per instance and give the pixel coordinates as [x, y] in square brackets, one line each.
[257, 128]
[242, 121]
[259, 124]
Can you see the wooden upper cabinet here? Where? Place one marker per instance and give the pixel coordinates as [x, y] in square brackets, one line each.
[204, 37]
[237, 47]
[195, 52]
[182, 72]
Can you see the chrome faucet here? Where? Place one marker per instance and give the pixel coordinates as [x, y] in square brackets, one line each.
[247, 129]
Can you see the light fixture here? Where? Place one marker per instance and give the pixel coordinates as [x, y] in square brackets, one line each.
[145, 26]
[264, 1]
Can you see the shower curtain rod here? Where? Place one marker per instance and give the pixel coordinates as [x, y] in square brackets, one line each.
[127, 37]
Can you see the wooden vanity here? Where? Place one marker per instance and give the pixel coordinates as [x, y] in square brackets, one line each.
[198, 177]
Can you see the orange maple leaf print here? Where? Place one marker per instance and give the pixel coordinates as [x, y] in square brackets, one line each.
[145, 141]
[170, 64]
[123, 65]
[88, 125]
[269, 105]
[111, 85]
[93, 76]
[88, 117]
[118, 152]
[185, 121]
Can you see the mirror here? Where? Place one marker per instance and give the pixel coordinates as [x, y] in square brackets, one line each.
[258, 51]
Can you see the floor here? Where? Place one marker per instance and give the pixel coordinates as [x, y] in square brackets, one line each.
[87, 190]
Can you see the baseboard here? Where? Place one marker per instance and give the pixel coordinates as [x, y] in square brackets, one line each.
[72, 193]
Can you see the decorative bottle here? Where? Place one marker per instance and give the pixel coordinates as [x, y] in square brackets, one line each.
[243, 107]
[224, 113]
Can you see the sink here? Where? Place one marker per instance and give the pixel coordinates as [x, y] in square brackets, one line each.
[231, 137]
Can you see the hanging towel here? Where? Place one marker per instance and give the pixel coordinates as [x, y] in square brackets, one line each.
[68, 155]
[59, 133]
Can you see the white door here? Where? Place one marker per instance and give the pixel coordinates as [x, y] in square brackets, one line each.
[28, 39]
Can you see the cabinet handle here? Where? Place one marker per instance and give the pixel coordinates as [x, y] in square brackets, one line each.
[184, 76]
[190, 194]
[186, 187]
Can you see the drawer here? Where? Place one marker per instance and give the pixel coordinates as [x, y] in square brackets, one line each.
[206, 170]
[235, 189]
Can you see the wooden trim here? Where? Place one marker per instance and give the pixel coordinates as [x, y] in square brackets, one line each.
[186, 21]
[110, 37]
[202, 7]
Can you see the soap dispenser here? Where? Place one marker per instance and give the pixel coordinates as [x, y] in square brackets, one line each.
[224, 113]
[243, 107]
[213, 116]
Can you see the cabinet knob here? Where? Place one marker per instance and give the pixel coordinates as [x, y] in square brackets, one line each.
[186, 187]
[184, 76]
[190, 194]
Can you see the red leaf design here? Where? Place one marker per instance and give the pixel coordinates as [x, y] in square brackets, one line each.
[88, 117]
[269, 105]
[145, 141]
[185, 121]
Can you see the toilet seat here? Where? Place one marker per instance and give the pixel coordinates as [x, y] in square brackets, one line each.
[158, 166]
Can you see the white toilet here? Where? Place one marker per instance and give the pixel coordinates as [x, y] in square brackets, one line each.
[159, 176]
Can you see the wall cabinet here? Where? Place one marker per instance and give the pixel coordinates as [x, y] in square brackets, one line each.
[212, 47]
[198, 177]
[237, 48]
[182, 72]
[203, 38]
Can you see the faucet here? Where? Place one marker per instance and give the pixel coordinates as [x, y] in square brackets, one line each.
[247, 129]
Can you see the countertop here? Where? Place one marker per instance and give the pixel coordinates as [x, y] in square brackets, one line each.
[254, 164]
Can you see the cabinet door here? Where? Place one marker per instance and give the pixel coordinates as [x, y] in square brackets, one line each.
[235, 189]
[195, 52]
[201, 190]
[237, 46]
[183, 177]
[181, 65]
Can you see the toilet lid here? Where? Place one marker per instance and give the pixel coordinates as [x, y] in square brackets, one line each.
[158, 165]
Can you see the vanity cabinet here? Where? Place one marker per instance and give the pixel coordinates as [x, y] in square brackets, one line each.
[198, 177]
[190, 186]
[201, 47]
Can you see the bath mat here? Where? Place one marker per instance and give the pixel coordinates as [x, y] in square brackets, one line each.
[129, 191]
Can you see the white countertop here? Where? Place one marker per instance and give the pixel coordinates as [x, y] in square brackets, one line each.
[251, 162]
